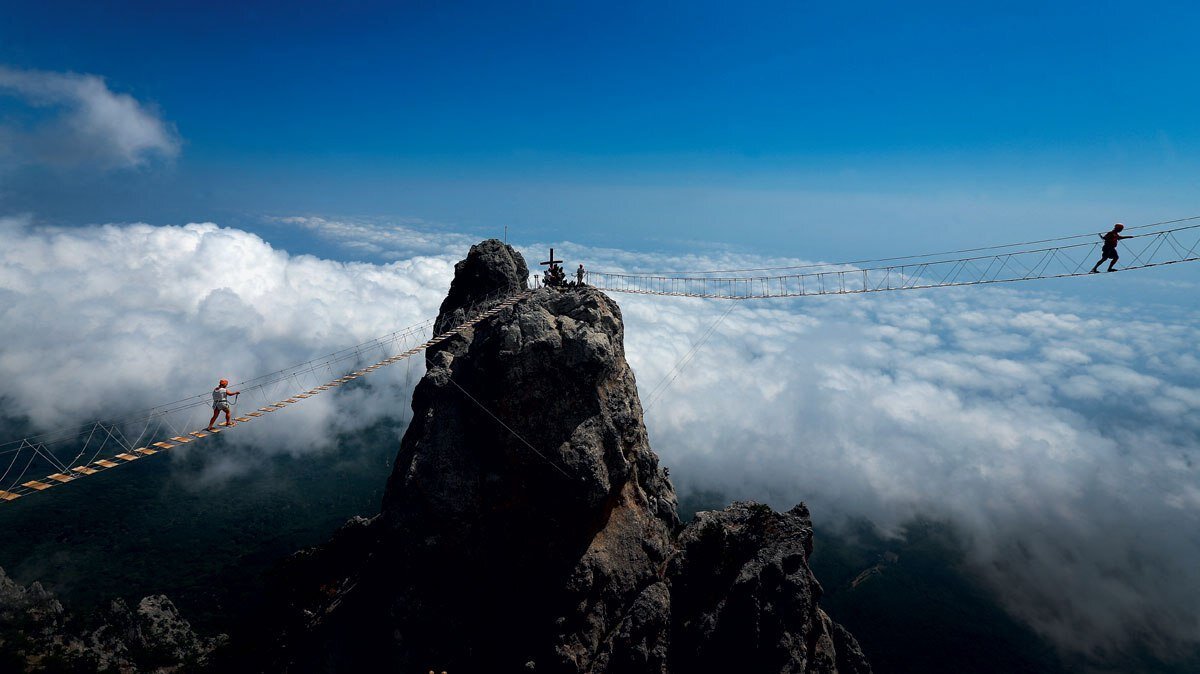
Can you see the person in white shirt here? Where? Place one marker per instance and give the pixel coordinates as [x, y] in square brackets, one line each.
[221, 403]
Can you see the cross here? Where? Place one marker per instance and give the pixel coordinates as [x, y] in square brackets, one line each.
[551, 261]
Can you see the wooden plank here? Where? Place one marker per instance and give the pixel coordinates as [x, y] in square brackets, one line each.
[163, 445]
[85, 470]
[199, 434]
[128, 457]
[146, 451]
[59, 477]
[181, 439]
[254, 414]
[292, 400]
[8, 496]
[34, 484]
[106, 463]
[243, 419]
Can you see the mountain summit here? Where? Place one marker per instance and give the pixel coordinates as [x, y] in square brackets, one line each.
[528, 527]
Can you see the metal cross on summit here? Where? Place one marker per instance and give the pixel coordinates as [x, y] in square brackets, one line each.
[554, 275]
[552, 261]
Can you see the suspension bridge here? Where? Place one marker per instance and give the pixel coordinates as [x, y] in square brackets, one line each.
[111, 444]
[1068, 257]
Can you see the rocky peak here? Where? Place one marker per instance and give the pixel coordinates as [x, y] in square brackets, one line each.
[527, 525]
[491, 269]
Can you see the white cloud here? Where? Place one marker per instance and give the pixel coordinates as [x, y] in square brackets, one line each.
[1064, 445]
[1065, 453]
[104, 320]
[90, 125]
[404, 237]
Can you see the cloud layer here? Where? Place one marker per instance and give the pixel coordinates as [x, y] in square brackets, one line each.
[105, 320]
[87, 123]
[1065, 446]
[1062, 438]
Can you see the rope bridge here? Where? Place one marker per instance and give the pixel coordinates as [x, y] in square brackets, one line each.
[167, 426]
[1140, 251]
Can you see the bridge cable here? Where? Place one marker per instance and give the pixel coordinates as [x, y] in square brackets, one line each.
[901, 257]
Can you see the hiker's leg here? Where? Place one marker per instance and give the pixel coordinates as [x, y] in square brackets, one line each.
[213, 420]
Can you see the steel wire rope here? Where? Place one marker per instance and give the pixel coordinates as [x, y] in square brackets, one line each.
[921, 268]
[901, 257]
[661, 388]
[200, 399]
[50, 457]
[164, 412]
[10, 465]
[192, 402]
[103, 443]
[13, 486]
[509, 428]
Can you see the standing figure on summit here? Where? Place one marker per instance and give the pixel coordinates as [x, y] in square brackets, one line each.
[221, 403]
[1109, 251]
[579, 273]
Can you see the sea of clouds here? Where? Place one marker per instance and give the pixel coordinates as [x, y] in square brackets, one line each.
[1060, 438]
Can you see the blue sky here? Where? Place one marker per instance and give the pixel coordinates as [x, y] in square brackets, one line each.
[774, 127]
[392, 136]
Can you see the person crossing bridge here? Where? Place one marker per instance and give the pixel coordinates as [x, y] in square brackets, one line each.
[221, 403]
[1109, 252]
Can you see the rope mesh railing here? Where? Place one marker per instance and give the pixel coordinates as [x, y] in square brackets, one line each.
[1141, 251]
[110, 444]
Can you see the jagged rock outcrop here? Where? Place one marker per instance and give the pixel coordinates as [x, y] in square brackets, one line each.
[746, 599]
[38, 634]
[527, 525]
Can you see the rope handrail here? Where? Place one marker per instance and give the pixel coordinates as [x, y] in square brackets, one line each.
[68, 472]
[252, 384]
[1167, 246]
[816, 265]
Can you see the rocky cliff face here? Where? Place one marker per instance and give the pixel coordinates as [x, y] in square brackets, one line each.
[527, 525]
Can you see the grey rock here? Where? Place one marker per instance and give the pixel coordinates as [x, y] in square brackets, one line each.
[745, 597]
[491, 268]
[527, 525]
[31, 608]
[36, 631]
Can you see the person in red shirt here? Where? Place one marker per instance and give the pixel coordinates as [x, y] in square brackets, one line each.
[1109, 252]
